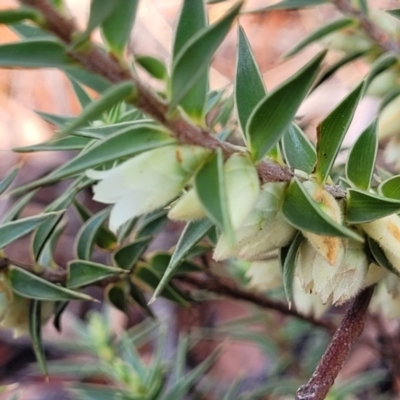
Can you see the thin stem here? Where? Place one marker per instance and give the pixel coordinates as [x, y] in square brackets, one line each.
[338, 350]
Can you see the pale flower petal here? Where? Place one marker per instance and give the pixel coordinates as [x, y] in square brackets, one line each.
[265, 275]
[187, 208]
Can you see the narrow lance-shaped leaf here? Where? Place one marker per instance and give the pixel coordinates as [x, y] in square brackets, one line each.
[89, 79]
[39, 53]
[11, 231]
[382, 63]
[303, 212]
[193, 19]
[361, 160]
[210, 188]
[191, 235]
[35, 330]
[126, 257]
[249, 84]
[17, 207]
[116, 28]
[80, 93]
[57, 120]
[272, 116]
[365, 207]
[153, 66]
[9, 178]
[395, 13]
[125, 143]
[81, 273]
[390, 188]
[319, 33]
[298, 151]
[331, 132]
[13, 16]
[380, 256]
[31, 286]
[289, 266]
[109, 98]
[194, 58]
[288, 5]
[61, 144]
[29, 32]
[46, 257]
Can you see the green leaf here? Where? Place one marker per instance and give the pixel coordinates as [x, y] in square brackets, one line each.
[126, 257]
[153, 66]
[361, 161]
[109, 98]
[195, 56]
[59, 308]
[192, 20]
[210, 188]
[117, 27]
[125, 143]
[298, 151]
[194, 231]
[272, 116]
[331, 132]
[395, 13]
[152, 278]
[152, 223]
[46, 257]
[380, 256]
[332, 69]
[9, 178]
[35, 330]
[289, 267]
[31, 286]
[83, 98]
[29, 32]
[117, 296]
[160, 261]
[57, 120]
[86, 237]
[382, 63]
[13, 16]
[44, 231]
[61, 144]
[304, 213]
[99, 11]
[17, 207]
[390, 188]
[289, 5]
[139, 298]
[37, 53]
[320, 33]
[365, 207]
[11, 231]
[82, 273]
[249, 84]
[89, 79]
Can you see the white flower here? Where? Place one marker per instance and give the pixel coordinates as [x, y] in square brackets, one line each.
[263, 230]
[187, 208]
[147, 181]
[265, 275]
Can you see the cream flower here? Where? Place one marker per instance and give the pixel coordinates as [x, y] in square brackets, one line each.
[147, 181]
[265, 275]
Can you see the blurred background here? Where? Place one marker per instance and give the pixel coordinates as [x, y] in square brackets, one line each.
[266, 344]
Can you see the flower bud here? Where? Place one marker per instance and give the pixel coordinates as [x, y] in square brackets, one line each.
[384, 301]
[147, 181]
[375, 273]
[265, 275]
[264, 229]
[330, 247]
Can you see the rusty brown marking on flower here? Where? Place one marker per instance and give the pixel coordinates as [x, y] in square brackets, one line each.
[394, 230]
[178, 155]
[332, 248]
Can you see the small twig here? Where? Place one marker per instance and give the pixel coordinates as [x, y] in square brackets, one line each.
[379, 36]
[338, 350]
[227, 287]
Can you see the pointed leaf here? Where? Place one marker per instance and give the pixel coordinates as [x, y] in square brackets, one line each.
[35, 330]
[195, 56]
[380, 256]
[82, 273]
[390, 188]
[109, 99]
[274, 113]
[298, 151]
[210, 188]
[152, 223]
[382, 63]
[365, 207]
[331, 132]
[289, 5]
[17, 208]
[153, 66]
[61, 144]
[117, 27]
[139, 298]
[303, 212]
[59, 308]
[249, 84]
[361, 161]
[38, 53]
[83, 98]
[11, 231]
[13, 16]
[289, 267]
[89, 79]
[192, 20]
[320, 33]
[99, 11]
[122, 144]
[86, 237]
[46, 257]
[32, 287]
[9, 178]
[126, 257]
[194, 231]
[29, 32]
[57, 120]
[395, 13]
